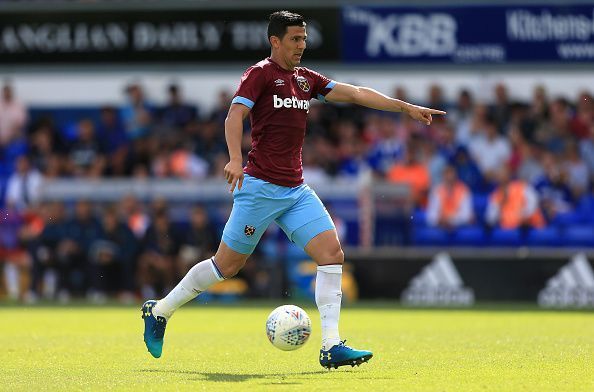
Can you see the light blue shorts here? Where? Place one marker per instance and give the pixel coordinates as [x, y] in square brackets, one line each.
[298, 211]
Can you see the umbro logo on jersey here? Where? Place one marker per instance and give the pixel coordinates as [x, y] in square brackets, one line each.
[288, 103]
[572, 286]
[438, 284]
[302, 83]
[279, 82]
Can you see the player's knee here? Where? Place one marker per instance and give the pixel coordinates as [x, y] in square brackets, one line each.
[332, 255]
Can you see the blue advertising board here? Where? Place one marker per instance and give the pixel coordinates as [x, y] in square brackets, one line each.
[468, 34]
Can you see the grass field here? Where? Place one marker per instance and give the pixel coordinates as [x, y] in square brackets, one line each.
[225, 348]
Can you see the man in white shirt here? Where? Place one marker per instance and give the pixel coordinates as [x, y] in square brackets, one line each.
[489, 149]
[24, 185]
[13, 116]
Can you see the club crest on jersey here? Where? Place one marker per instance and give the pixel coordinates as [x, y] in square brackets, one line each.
[249, 230]
[303, 83]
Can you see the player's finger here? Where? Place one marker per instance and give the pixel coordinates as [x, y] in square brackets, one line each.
[240, 183]
[233, 185]
[435, 111]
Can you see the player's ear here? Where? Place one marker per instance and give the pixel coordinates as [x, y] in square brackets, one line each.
[274, 41]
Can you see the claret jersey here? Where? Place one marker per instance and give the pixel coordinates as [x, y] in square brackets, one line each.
[279, 100]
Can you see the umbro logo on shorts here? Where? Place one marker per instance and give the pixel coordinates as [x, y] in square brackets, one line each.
[249, 230]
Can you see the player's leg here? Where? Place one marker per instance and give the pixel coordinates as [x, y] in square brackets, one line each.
[309, 225]
[252, 212]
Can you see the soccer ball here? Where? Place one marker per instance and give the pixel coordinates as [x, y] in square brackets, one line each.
[288, 327]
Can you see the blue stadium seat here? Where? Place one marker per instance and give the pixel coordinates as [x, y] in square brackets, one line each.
[547, 236]
[585, 209]
[479, 203]
[565, 219]
[469, 236]
[419, 218]
[430, 236]
[579, 235]
[506, 237]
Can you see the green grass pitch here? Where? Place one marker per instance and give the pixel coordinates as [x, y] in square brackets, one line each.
[224, 348]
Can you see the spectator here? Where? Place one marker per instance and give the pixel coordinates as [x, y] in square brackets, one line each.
[577, 170]
[467, 170]
[450, 202]
[13, 255]
[498, 147]
[24, 186]
[177, 114]
[112, 258]
[513, 204]
[583, 119]
[74, 249]
[587, 153]
[500, 111]
[115, 141]
[87, 155]
[137, 114]
[157, 269]
[554, 193]
[13, 116]
[413, 173]
[199, 242]
[555, 133]
[51, 272]
[462, 117]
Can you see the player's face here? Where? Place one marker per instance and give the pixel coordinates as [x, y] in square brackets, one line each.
[292, 45]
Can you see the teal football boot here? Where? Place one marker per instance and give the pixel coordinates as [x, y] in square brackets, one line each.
[154, 329]
[342, 355]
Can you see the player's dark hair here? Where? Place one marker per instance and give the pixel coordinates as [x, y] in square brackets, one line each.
[280, 20]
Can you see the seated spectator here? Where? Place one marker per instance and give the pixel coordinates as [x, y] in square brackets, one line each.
[50, 274]
[450, 202]
[587, 153]
[199, 242]
[554, 193]
[14, 258]
[137, 114]
[413, 173]
[87, 155]
[576, 169]
[112, 256]
[177, 114]
[513, 204]
[13, 116]
[82, 230]
[498, 148]
[157, 269]
[24, 186]
[115, 141]
[468, 171]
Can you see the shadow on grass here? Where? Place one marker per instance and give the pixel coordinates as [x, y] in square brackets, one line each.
[279, 378]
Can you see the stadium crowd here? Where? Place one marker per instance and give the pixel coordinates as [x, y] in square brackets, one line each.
[514, 169]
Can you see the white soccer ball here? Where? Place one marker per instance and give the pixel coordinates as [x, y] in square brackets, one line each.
[288, 327]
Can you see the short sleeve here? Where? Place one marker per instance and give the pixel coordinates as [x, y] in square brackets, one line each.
[322, 85]
[250, 87]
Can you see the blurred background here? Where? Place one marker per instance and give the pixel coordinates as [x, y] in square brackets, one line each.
[112, 149]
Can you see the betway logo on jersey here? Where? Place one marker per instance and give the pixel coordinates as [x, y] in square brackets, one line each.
[438, 284]
[289, 103]
[572, 286]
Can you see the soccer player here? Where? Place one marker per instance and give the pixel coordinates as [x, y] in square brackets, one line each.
[275, 93]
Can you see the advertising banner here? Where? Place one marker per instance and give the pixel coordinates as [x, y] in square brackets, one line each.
[163, 36]
[468, 34]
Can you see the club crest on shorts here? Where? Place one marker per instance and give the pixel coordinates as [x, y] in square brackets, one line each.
[249, 230]
[303, 83]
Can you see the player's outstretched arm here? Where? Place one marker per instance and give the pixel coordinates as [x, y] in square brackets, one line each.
[364, 96]
[233, 134]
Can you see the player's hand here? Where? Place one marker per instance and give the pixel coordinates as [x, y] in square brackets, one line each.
[422, 114]
[234, 174]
